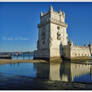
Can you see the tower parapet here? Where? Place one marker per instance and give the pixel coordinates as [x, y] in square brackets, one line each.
[52, 16]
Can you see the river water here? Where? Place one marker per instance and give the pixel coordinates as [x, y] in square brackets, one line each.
[68, 72]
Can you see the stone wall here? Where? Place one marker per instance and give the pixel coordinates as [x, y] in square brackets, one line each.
[43, 37]
[79, 51]
[72, 51]
[42, 54]
[66, 51]
[58, 34]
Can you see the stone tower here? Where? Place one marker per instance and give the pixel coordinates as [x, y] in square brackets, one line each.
[52, 35]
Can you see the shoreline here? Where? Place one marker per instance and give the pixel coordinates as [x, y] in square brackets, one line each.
[11, 61]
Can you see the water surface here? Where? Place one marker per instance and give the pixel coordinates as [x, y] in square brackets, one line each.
[68, 72]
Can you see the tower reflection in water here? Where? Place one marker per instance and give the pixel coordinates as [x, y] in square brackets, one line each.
[69, 72]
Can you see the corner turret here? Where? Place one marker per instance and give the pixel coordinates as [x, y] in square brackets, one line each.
[51, 8]
[90, 47]
[70, 43]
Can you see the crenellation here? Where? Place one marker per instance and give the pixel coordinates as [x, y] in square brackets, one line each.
[41, 14]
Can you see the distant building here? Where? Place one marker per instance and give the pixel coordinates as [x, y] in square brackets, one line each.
[53, 38]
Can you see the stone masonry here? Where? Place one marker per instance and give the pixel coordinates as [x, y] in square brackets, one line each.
[53, 38]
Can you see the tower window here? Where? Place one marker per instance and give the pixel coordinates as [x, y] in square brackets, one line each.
[75, 54]
[58, 27]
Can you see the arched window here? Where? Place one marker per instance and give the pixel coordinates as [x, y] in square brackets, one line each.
[79, 54]
[75, 54]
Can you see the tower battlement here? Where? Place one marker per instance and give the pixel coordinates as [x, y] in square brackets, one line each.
[52, 16]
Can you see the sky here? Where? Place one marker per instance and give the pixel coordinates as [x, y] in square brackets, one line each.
[18, 23]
